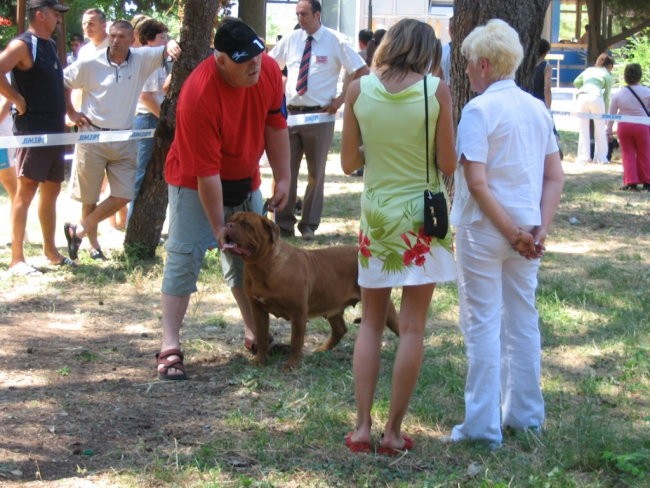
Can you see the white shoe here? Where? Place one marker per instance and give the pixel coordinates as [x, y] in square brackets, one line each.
[492, 445]
[23, 269]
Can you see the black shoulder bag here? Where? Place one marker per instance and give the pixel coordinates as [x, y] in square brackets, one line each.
[436, 219]
[639, 99]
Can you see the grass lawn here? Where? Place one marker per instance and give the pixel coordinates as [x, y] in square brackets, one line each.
[80, 405]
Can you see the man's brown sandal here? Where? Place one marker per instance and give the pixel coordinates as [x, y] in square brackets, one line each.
[167, 364]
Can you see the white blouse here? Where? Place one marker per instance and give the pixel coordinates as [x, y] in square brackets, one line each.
[511, 132]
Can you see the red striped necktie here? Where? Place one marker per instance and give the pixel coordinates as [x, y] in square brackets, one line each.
[303, 73]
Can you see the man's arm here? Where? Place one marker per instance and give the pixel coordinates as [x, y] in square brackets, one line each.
[16, 55]
[336, 103]
[211, 196]
[73, 92]
[278, 152]
[279, 53]
[77, 118]
[173, 49]
[5, 108]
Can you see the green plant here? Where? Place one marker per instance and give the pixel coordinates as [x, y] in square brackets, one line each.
[637, 50]
[64, 371]
[7, 31]
[87, 356]
[634, 463]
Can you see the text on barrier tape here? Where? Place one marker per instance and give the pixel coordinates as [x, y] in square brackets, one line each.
[615, 118]
[306, 119]
[74, 138]
[125, 135]
[292, 120]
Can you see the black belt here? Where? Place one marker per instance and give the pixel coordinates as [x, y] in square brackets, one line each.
[303, 109]
[102, 128]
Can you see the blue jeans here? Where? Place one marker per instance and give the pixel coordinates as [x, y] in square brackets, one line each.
[145, 148]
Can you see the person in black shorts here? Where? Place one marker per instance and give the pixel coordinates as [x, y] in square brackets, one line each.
[37, 93]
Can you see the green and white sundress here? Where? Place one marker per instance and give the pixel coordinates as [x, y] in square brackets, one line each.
[393, 250]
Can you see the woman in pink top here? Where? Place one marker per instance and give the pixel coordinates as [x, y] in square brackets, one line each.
[634, 138]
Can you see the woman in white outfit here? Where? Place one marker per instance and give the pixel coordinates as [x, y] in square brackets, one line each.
[509, 181]
[594, 87]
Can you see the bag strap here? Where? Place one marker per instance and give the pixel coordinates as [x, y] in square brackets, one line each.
[426, 125]
[639, 99]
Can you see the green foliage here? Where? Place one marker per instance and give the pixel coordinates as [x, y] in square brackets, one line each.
[634, 463]
[64, 371]
[637, 50]
[86, 356]
[7, 22]
[7, 33]
[135, 251]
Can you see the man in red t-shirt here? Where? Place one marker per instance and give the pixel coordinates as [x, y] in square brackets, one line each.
[229, 112]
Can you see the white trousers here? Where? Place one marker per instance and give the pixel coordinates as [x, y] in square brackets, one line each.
[593, 104]
[499, 322]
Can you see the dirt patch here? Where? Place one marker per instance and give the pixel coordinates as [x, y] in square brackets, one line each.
[78, 384]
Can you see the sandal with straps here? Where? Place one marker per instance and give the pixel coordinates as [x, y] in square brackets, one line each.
[72, 239]
[167, 364]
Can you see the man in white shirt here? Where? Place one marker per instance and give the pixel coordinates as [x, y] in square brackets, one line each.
[111, 85]
[329, 51]
[93, 23]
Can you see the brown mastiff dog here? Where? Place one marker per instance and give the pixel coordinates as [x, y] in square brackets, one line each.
[294, 284]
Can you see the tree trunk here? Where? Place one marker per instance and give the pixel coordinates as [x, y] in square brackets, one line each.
[149, 211]
[525, 16]
[253, 12]
[597, 39]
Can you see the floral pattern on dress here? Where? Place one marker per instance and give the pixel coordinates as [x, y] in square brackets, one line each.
[399, 243]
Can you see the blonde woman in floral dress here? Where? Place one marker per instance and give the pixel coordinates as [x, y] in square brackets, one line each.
[384, 127]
